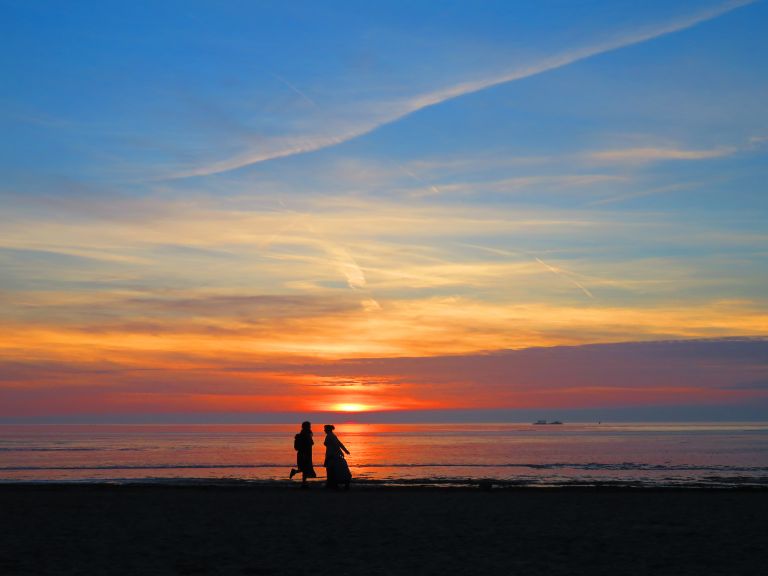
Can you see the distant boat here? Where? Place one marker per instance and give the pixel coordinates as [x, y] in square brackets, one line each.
[539, 422]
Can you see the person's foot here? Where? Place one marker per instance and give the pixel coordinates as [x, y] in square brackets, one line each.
[293, 473]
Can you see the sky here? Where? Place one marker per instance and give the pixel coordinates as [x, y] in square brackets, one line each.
[223, 209]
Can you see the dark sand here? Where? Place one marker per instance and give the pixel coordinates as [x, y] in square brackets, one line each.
[145, 530]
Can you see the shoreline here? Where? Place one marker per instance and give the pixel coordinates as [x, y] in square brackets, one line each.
[375, 486]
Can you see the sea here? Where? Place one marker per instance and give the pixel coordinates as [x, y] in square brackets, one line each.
[720, 455]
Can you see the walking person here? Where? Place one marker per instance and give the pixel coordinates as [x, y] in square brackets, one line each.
[336, 467]
[303, 443]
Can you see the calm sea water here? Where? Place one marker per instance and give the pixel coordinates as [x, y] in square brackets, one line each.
[703, 454]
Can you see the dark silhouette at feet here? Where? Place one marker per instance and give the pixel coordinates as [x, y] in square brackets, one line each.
[303, 443]
[336, 468]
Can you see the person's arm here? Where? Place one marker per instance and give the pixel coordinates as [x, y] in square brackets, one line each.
[343, 447]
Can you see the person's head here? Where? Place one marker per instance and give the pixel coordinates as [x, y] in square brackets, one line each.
[329, 428]
[306, 426]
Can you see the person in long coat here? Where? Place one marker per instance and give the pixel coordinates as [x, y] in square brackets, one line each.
[303, 443]
[336, 467]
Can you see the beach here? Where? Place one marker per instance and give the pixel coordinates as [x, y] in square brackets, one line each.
[95, 529]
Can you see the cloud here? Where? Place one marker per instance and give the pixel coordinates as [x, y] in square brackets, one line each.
[656, 373]
[418, 327]
[757, 142]
[388, 113]
[647, 192]
[626, 373]
[753, 385]
[655, 154]
[526, 183]
[229, 306]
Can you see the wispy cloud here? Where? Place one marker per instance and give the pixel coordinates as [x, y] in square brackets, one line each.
[395, 111]
[523, 183]
[646, 192]
[341, 259]
[649, 154]
[756, 142]
[404, 327]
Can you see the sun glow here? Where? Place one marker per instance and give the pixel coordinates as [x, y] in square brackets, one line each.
[351, 408]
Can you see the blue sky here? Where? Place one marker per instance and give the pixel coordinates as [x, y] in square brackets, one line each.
[293, 181]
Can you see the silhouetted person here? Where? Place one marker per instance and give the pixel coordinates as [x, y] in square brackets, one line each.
[336, 468]
[303, 443]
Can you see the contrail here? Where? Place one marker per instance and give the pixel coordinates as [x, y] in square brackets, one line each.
[434, 189]
[296, 90]
[409, 106]
[339, 256]
[559, 272]
[555, 270]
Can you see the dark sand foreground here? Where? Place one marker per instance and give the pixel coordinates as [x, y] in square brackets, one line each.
[144, 530]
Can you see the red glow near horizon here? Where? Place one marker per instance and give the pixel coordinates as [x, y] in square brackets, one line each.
[633, 374]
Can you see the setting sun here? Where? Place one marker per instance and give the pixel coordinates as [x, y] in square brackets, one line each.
[351, 407]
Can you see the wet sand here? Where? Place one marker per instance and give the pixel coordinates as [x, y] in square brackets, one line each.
[145, 530]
